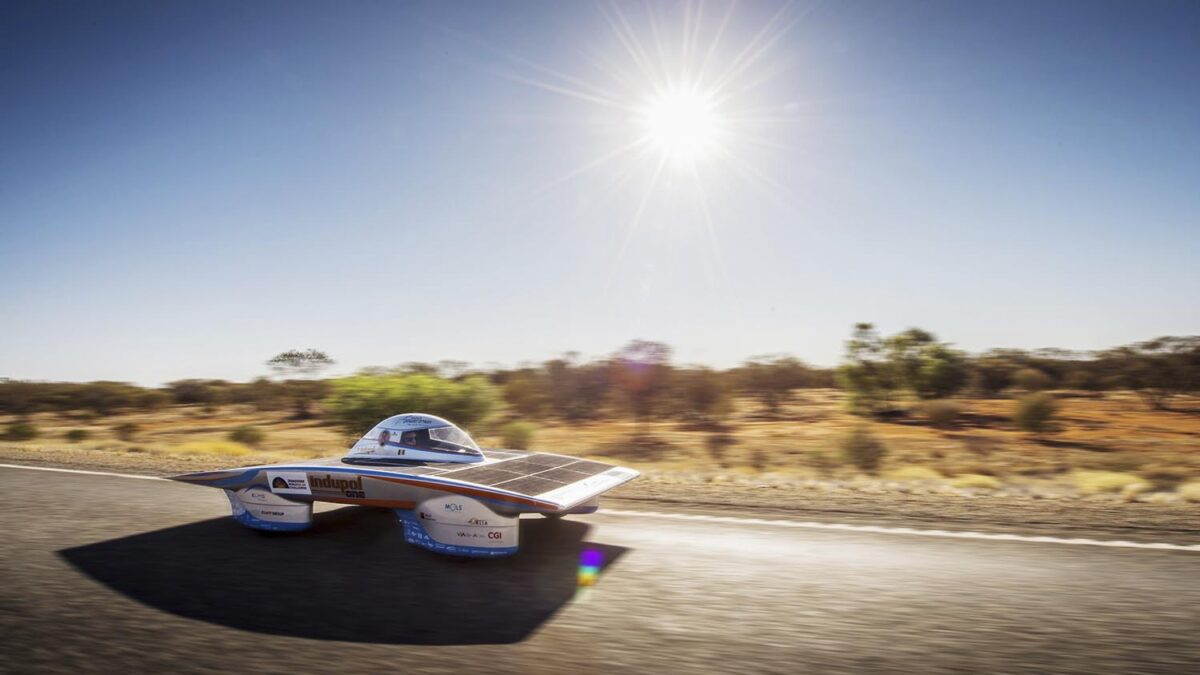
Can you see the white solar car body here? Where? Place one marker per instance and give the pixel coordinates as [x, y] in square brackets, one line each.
[450, 496]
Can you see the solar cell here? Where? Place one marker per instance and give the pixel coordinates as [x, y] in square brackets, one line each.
[530, 485]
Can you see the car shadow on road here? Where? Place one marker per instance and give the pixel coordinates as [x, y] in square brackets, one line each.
[350, 577]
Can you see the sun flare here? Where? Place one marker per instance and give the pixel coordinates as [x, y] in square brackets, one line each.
[682, 123]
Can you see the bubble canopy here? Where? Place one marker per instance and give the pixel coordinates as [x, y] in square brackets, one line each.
[417, 437]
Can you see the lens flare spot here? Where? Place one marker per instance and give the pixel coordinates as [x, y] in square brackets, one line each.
[590, 562]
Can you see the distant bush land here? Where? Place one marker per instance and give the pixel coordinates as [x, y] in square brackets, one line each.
[517, 435]
[883, 376]
[357, 403]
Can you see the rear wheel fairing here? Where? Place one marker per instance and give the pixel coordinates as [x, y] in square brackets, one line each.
[458, 526]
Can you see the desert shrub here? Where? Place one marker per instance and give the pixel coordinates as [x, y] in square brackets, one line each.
[126, 431]
[76, 435]
[1095, 482]
[976, 481]
[717, 445]
[357, 403]
[760, 459]
[914, 474]
[1118, 461]
[1033, 412]
[219, 448]
[21, 431]
[823, 462]
[247, 435]
[1165, 477]
[860, 448]
[517, 435]
[942, 414]
[1031, 379]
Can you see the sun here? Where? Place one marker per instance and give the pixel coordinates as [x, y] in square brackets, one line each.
[682, 123]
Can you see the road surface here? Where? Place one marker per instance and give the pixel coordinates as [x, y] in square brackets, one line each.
[105, 573]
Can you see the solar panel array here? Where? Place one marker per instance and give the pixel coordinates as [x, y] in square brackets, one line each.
[516, 471]
[532, 474]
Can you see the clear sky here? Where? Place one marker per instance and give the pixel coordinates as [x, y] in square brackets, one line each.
[187, 189]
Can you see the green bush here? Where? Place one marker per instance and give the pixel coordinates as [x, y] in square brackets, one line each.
[517, 435]
[126, 431]
[357, 403]
[860, 448]
[247, 435]
[1034, 411]
[21, 431]
[942, 414]
[76, 435]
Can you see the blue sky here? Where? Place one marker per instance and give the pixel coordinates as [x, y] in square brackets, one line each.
[187, 189]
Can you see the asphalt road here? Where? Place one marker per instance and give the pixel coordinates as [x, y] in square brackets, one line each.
[109, 574]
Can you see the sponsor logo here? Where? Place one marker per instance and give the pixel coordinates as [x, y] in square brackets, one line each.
[494, 535]
[453, 507]
[349, 487]
[288, 482]
[477, 521]
[271, 513]
[425, 516]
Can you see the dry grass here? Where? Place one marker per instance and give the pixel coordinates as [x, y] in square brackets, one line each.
[1190, 491]
[913, 474]
[1096, 482]
[1114, 433]
[976, 481]
[212, 448]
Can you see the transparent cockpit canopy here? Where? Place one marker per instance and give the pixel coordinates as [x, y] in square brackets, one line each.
[454, 435]
[423, 432]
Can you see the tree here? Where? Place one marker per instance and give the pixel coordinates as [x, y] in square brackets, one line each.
[771, 379]
[525, 392]
[1158, 369]
[875, 368]
[943, 372]
[991, 373]
[641, 370]
[905, 352]
[297, 367]
[203, 392]
[924, 366]
[701, 393]
[359, 402]
[577, 391]
[865, 375]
